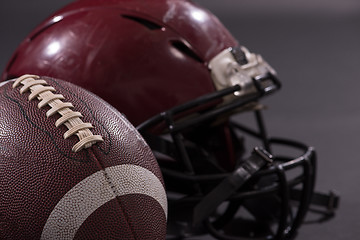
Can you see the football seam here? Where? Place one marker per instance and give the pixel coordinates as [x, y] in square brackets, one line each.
[115, 192]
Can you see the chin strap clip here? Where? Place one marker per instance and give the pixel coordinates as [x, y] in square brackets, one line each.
[325, 203]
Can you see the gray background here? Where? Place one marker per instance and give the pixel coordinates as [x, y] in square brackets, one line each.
[314, 46]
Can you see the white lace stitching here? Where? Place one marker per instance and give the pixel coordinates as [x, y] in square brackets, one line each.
[69, 118]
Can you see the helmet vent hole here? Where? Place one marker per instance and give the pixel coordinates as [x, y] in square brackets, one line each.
[43, 29]
[183, 48]
[148, 24]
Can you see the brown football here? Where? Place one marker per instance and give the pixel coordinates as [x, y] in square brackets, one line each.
[73, 167]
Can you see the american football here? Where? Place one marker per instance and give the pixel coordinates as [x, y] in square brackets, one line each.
[73, 167]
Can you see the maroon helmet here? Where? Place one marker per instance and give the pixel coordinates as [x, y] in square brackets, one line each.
[110, 47]
[177, 74]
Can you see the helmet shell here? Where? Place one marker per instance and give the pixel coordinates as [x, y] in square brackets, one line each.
[142, 57]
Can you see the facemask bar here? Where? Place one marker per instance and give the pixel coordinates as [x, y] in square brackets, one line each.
[307, 161]
[170, 114]
[175, 127]
[264, 84]
[283, 228]
[284, 187]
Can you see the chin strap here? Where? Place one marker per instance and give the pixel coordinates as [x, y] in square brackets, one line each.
[329, 201]
[258, 159]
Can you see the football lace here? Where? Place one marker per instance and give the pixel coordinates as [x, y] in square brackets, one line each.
[41, 90]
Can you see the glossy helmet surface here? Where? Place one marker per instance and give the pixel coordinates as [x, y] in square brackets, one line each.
[177, 74]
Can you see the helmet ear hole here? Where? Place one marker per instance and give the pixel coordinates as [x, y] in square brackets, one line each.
[183, 48]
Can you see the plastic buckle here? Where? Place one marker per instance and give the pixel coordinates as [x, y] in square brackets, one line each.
[238, 66]
[333, 201]
[268, 157]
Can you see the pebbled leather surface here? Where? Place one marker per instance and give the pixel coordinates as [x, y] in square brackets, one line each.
[38, 170]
